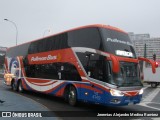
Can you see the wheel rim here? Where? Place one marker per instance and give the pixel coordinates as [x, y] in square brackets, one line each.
[72, 96]
[20, 87]
[14, 86]
[153, 85]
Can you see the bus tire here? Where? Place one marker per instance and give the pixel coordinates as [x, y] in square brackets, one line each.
[72, 96]
[154, 85]
[13, 85]
[20, 87]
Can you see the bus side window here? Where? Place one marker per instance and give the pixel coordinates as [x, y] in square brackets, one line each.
[69, 72]
[97, 69]
[30, 70]
[94, 65]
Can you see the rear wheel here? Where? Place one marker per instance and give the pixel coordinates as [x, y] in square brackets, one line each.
[13, 85]
[20, 87]
[153, 85]
[72, 96]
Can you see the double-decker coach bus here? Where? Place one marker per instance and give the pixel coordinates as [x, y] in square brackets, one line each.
[94, 63]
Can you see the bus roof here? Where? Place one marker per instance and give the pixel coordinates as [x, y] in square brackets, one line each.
[77, 28]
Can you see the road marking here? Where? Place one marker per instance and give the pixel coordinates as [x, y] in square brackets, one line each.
[155, 118]
[151, 95]
[145, 105]
[145, 87]
[146, 119]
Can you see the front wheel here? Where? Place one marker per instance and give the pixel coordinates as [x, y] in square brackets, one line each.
[72, 96]
[153, 85]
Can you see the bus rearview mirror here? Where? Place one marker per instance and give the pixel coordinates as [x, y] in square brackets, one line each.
[153, 64]
[115, 64]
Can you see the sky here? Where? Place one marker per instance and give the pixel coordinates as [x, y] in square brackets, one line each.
[38, 18]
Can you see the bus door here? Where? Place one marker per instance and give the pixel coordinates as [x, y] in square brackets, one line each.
[96, 71]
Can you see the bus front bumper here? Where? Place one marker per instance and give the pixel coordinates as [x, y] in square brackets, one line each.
[125, 100]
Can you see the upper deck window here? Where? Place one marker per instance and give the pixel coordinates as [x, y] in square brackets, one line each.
[20, 50]
[49, 44]
[86, 37]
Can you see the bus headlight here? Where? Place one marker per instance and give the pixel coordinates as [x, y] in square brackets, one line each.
[141, 91]
[116, 92]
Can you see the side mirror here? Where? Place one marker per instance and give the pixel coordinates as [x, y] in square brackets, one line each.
[115, 62]
[156, 64]
[153, 63]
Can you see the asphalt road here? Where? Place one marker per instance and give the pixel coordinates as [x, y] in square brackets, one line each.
[150, 102]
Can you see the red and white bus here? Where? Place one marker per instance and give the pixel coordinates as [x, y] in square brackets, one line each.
[94, 63]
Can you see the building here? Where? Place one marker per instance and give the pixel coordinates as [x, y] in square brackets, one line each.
[152, 45]
[138, 36]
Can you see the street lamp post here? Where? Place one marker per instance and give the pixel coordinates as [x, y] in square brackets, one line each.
[15, 27]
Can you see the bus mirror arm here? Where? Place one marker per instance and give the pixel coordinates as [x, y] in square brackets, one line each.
[115, 62]
[153, 64]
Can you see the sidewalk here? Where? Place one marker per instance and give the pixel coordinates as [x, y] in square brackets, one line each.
[18, 103]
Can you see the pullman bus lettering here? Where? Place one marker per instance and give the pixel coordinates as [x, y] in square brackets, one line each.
[94, 63]
[119, 41]
[49, 57]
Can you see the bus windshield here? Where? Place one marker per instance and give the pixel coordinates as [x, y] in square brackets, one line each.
[97, 67]
[127, 77]
[117, 43]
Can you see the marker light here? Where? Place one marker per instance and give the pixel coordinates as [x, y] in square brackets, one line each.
[156, 64]
[141, 91]
[116, 92]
